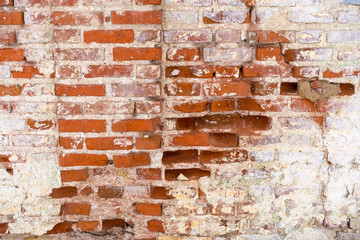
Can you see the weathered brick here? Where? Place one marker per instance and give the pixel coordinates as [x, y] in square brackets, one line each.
[136, 17]
[109, 143]
[271, 3]
[190, 71]
[136, 90]
[308, 54]
[77, 18]
[183, 54]
[309, 36]
[136, 125]
[237, 55]
[311, 16]
[123, 54]
[182, 17]
[94, 71]
[110, 192]
[188, 36]
[226, 17]
[7, 37]
[190, 174]
[228, 35]
[79, 54]
[343, 36]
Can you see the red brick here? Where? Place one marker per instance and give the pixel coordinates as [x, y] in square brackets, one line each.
[224, 139]
[241, 88]
[136, 90]
[183, 54]
[218, 157]
[234, 122]
[77, 18]
[191, 107]
[80, 90]
[148, 107]
[74, 175]
[268, 37]
[80, 125]
[182, 89]
[346, 72]
[136, 125]
[71, 142]
[180, 156]
[264, 89]
[87, 191]
[7, 36]
[94, 71]
[82, 159]
[302, 105]
[190, 174]
[347, 89]
[156, 226]
[148, 174]
[124, 54]
[11, 54]
[27, 72]
[11, 18]
[227, 71]
[268, 53]
[305, 72]
[148, 2]
[10, 90]
[6, 2]
[64, 192]
[87, 225]
[190, 71]
[107, 224]
[3, 226]
[194, 139]
[109, 143]
[148, 209]
[76, 209]
[61, 227]
[288, 88]
[159, 193]
[222, 105]
[110, 192]
[151, 142]
[109, 36]
[136, 17]
[132, 160]
[257, 70]
[185, 123]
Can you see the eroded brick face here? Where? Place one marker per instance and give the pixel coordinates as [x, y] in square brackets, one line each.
[179, 119]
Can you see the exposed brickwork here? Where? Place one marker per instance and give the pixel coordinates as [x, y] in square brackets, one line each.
[179, 119]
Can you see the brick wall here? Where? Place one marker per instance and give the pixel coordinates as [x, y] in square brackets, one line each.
[180, 119]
